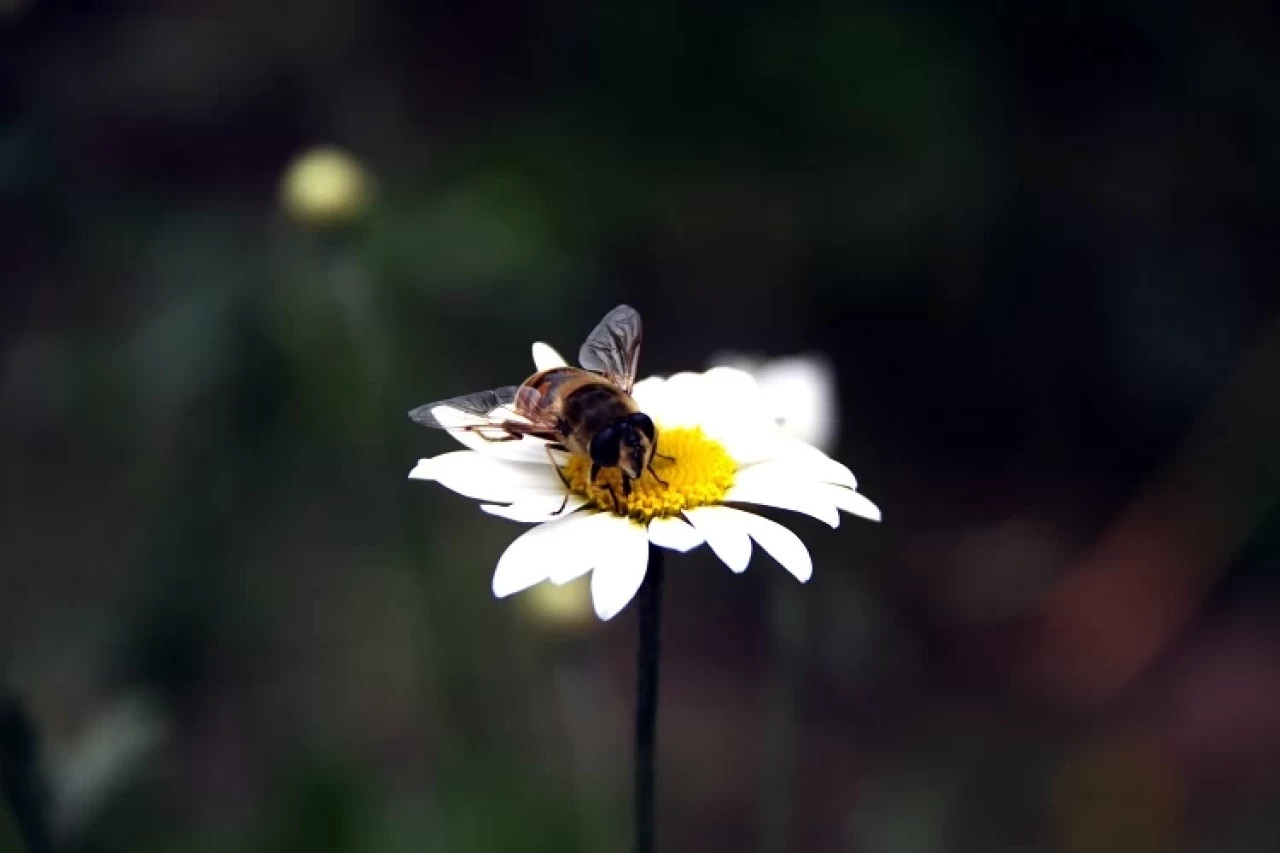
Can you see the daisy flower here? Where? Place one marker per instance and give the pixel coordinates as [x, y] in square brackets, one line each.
[719, 450]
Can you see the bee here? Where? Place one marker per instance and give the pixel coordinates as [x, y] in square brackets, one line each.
[587, 411]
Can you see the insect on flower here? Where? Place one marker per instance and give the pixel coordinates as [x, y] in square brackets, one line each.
[665, 462]
[587, 411]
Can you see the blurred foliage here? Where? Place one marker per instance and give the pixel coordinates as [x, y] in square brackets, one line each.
[1034, 241]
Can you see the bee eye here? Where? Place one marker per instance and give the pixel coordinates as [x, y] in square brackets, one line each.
[642, 422]
[606, 446]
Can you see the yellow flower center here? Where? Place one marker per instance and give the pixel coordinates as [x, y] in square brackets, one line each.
[698, 472]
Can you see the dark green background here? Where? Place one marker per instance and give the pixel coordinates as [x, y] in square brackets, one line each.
[1037, 240]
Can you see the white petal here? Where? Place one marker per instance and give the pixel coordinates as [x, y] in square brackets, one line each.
[681, 401]
[745, 437]
[735, 391]
[797, 457]
[527, 449]
[484, 478]
[594, 544]
[785, 494]
[740, 381]
[850, 501]
[726, 536]
[729, 407]
[545, 357]
[690, 399]
[781, 544]
[674, 533]
[537, 510]
[615, 582]
[801, 392]
[530, 559]
[650, 395]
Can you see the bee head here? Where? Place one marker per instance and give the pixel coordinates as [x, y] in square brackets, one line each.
[639, 438]
[628, 444]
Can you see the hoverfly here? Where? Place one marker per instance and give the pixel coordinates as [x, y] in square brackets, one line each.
[586, 411]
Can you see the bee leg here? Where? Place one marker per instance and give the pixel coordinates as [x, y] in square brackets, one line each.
[655, 475]
[567, 488]
[663, 457]
[559, 473]
[478, 428]
[504, 437]
[626, 485]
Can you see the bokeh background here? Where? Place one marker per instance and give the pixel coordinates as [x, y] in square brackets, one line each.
[1036, 242]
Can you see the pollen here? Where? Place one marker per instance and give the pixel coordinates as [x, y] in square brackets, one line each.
[697, 471]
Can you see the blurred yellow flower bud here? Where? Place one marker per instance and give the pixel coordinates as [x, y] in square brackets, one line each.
[563, 608]
[325, 186]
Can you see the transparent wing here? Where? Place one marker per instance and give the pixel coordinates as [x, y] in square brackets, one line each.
[613, 347]
[496, 415]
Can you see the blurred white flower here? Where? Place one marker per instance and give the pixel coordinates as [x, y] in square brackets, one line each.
[114, 748]
[800, 392]
[724, 448]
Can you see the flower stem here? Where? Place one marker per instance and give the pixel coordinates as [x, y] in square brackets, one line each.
[647, 699]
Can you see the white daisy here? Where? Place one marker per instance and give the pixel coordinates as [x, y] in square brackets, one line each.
[726, 450]
[800, 391]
